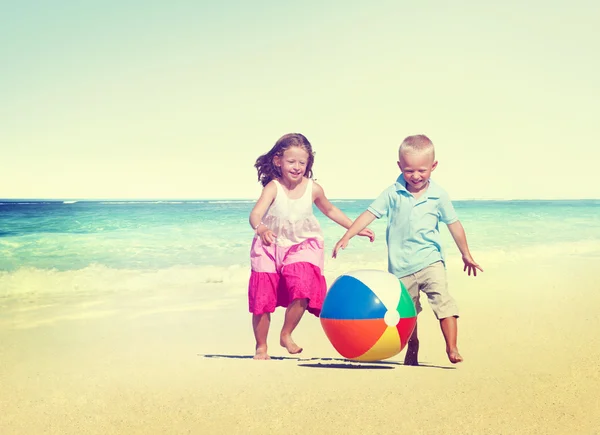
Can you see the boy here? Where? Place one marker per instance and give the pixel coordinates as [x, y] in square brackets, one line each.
[414, 205]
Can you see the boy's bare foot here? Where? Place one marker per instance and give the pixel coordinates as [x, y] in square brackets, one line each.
[454, 356]
[261, 353]
[287, 342]
[412, 353]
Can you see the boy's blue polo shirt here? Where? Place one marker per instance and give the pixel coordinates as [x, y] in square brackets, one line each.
[413, 235]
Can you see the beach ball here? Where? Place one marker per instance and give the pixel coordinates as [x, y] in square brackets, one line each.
[368, 315]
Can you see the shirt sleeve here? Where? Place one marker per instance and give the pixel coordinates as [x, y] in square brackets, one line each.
[446, 209]
[380, 206]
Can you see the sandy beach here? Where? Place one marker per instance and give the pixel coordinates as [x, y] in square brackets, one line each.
[178, 362]
[140, 142]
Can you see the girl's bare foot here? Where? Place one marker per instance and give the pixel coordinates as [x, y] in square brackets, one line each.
[454, 356]
[287, 342]
[261, 353]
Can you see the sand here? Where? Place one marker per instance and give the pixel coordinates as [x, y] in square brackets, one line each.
[180, 362]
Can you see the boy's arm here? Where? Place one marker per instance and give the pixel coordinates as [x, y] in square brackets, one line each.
[460, 238]
[359, 224]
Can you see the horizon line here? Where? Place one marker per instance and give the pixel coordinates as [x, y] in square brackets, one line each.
[13, 199]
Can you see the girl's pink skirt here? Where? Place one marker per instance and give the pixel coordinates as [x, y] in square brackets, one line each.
[280, 275]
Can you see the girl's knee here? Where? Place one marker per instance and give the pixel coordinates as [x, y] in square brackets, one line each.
[303, 302]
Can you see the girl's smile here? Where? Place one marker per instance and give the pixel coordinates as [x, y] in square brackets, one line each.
[292, 164]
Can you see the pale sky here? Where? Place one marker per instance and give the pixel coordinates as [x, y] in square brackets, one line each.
[152, 99]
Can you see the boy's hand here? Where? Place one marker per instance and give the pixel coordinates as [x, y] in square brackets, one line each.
[266, 236]
[367, 233]
[470, 265]
[339, 245]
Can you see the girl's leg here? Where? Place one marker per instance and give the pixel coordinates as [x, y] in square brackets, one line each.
[293, 314]
[260, 324]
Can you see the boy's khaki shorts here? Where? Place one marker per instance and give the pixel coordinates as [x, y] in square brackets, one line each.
[432, 281]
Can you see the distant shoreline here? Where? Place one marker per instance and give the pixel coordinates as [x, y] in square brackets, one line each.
[73, 202]
[173, 200]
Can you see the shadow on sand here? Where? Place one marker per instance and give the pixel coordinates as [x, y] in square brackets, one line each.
[333, 363]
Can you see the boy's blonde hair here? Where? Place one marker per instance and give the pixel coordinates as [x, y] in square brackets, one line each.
[418, 143]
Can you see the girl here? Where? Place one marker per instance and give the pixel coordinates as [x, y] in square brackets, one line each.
[287, 255]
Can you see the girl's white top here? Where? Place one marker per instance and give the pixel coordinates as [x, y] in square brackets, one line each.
[293, 220]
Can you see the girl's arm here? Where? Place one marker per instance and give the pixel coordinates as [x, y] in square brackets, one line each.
[328, 209]
[337, 215]
[262, 204]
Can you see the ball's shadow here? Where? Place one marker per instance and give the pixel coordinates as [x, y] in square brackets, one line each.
[376, 365]
[332, 363]
[350, 366]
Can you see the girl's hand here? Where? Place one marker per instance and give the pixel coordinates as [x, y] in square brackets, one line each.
[266, 235]
[470, 265]
[367, 233]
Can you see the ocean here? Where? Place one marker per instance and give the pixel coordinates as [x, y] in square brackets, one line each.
[58, 247]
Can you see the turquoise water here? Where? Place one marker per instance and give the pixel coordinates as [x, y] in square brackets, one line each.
[208, 241]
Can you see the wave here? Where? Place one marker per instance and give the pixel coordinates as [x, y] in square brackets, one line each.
[233, 276]
[240, 201]
[28, 203]
[551, 253]
[100, 279]
[34, 282]
[142, 202]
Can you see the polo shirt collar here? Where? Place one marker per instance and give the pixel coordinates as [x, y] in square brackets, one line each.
[433, 190]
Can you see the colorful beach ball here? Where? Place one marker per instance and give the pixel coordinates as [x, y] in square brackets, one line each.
[368, 315]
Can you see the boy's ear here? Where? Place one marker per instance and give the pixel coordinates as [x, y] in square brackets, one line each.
[434, 165]
[399, 166]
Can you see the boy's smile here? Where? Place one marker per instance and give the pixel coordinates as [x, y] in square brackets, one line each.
[417, 168]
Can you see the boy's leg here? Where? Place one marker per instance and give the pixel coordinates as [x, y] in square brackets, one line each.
[412, 350]
[260, 324]
[293, 314]
[433, 283]
[412, 347]
[449, 327]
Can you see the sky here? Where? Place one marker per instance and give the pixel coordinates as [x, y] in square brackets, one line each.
[150, 99]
